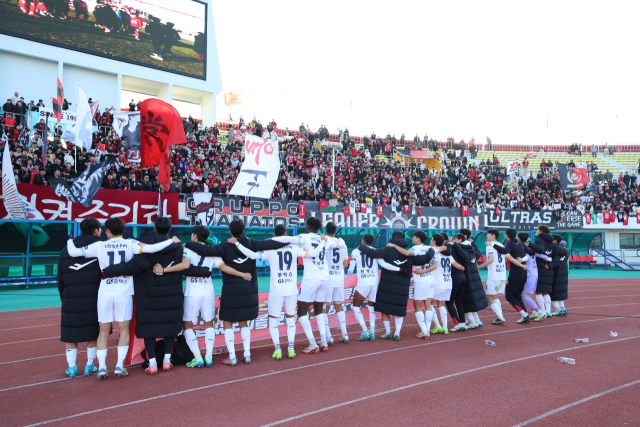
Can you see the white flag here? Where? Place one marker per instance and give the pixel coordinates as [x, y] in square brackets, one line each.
[260, 168]
[512, 167]
[12, 202]
[83, 126]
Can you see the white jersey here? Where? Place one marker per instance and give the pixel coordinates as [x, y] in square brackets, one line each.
[367, 268]
[314, 268]
[498, 268]
[112, 252]
[442, 274]
[424, 277]
[200, 286]
[335, 262]
[283, 264]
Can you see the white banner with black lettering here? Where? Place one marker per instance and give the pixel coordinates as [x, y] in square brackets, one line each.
[260, 168]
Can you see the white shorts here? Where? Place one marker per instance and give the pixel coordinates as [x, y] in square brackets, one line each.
[441, 294]
[494, 287]
[313, 290]
[118, 309]
[334, 294]
[206, 306]
[369, 292]
[424, 290]
[275, 304]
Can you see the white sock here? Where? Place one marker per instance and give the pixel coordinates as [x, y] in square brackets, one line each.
[72, 353]
[399, 321]
[428, 315]
[273, 330]
[152, 362]
[291, 330]
[540, 301]
[321, 320]
[192, 342]
[327, 328]
[228, 339]
[387, 326]
[245, 333]
[434, 317]
[443, 316]
[547, 303]
[470, 318]
[561, 305]
[360, 318]
[420, 320]
[497, 301]
[342, 318]
[372, 319]
[497, 309]
[476, 317]
[122, 353]
[102, 358]
[91, 355]
[306, 327]
[209, 341]
[167, 358]
[523, 313]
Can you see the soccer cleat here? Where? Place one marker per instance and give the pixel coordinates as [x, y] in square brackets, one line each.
[120, 372]
[167, 366]
[557, 313]
[396, 337]
[292, 353]
[311, 350]
[247, 360]
[372, 336]
[564, 313]
[387, 336]
[480, 325]
[195, 363]
[499, 322]
[437, 330]
[89, 370]
[473, 325]
[102, 374]
[539, 317]
[152, 370]
[230, 362]
[365, 336]
[463, 327]
[72, 372]
[330, 341]
[277, 355]
[324, 347]
[422, 336]
[458, 327]
[344, 339]
[445, 331]
[208, 361]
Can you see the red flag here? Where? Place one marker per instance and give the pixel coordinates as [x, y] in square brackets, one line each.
[57, 102]
[347, 211]
[302, 211]
[420, 210]
[161, 128]
[324, 204]
[379, 211]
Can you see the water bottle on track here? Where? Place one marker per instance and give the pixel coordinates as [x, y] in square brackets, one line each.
[567, 360]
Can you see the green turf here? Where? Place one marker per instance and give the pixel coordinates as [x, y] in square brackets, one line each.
[43, 296]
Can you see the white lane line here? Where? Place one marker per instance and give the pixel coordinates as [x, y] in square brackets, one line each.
[40, 339]
[29, 327]
[30, 317]
[328, 408]
[576, 403]
[177, 393]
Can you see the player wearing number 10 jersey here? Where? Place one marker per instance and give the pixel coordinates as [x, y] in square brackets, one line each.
[115, 300]
[283, 288]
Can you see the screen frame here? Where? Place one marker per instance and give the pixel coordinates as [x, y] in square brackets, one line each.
[128, 61]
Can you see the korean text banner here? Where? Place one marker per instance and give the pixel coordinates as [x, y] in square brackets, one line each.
[168, 35]
[134, 207]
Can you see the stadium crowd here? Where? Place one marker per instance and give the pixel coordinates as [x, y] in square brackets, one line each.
[363, 172]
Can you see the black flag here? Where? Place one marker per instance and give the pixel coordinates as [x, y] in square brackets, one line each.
[572, 178]
[85, 187]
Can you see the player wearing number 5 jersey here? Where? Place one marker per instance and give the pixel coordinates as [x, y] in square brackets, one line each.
[115, 301]
[337, 261]
[283, 289]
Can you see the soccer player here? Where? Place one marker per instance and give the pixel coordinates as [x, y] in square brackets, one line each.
[514, 252]
[459, 283]
[475, 299]
[532, 279]
[283, 289]
[367, 285]
[423, 286]
[78, 284]
[561, 276]
[443, 281]
[199, 298]
[337, 261]
[115, 302]
[543, 246]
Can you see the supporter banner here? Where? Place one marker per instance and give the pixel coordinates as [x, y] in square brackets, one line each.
[519, 220]
[203, 208]
[416, 154]
[127, 126]
[84, 122]
[134, 207]
[512, 167]
[569, 220]
[260, 168]
[572, 178]
[84, 188]
[234, 98]
[68, 119]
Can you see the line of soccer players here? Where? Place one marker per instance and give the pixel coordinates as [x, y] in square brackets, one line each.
[445, 272]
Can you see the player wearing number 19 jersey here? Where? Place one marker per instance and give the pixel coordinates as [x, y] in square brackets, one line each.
[115, 302]
[283, 287]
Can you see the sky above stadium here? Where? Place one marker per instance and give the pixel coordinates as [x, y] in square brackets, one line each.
[465, 69]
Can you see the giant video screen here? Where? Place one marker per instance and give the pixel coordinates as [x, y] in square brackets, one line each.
[169, 35]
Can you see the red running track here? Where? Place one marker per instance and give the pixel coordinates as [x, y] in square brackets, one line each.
[453, 380]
